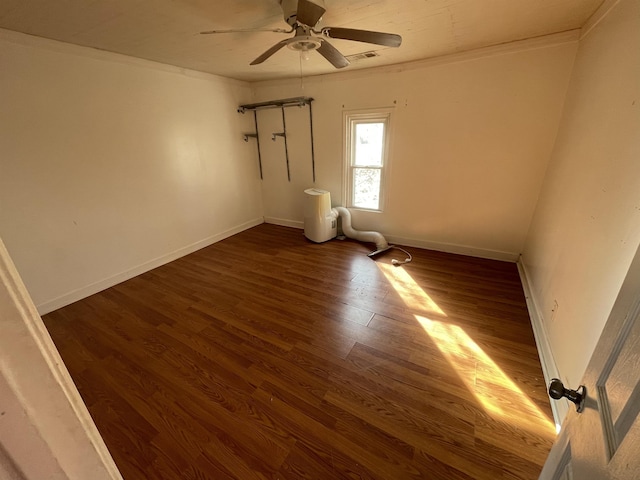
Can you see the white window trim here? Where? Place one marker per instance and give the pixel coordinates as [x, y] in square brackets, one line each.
[383, 114]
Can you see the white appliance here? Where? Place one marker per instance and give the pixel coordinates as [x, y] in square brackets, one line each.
[320, 222]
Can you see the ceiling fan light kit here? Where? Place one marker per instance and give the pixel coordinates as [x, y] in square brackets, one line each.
[304, 43]
[303, 16]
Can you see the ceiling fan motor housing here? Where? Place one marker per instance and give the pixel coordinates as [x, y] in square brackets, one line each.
[290, 9]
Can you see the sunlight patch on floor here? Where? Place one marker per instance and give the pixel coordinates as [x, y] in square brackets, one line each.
[499, 396]
[411, 293]
[497, 393]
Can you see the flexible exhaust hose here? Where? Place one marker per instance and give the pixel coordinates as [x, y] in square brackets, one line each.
[349, 231]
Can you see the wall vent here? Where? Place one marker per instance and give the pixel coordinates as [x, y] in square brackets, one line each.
[357, 57]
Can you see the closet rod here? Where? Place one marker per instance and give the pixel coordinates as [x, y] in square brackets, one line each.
[286, 102]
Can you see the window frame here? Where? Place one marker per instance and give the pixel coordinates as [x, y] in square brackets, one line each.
[351, 119]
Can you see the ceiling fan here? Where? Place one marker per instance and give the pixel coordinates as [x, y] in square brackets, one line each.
[303, 16]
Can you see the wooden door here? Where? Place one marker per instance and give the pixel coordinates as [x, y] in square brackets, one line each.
[603, 442]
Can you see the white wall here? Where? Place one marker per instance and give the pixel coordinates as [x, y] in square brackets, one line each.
[110, 165]
[472, 135]
[586, 227]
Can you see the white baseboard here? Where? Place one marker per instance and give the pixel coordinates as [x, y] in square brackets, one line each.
[453, 248]
[284, 222]
[413, 242]
[559, 408]
[83, 292]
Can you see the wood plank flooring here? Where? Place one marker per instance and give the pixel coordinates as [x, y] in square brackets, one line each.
[266, 356]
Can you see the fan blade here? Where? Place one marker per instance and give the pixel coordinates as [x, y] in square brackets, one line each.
[366, 36]
[270, 52]
[309, 13]
[329, 52]
[247, 30]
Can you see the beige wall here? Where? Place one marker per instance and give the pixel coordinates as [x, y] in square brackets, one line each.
[587, 224]
[471, 138]
[110, 166]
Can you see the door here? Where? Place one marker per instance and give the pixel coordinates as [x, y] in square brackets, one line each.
[603, 442]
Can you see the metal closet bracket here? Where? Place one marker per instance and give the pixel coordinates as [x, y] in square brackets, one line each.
[247, 136]
[283, 134]
[313, 156]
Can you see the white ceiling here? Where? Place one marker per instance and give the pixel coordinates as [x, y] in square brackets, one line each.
[167, 31]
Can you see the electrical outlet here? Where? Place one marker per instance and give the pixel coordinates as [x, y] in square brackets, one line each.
[554, 310]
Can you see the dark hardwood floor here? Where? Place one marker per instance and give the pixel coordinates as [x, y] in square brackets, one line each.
[266, 356]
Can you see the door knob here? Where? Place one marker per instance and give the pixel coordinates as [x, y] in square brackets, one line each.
[557, 391]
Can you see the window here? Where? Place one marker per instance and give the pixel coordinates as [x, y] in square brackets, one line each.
[366, 150]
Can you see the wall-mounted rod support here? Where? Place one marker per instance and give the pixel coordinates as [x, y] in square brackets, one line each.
[247, 136]
[255, 121]
[313, 158]
[274, 135]
[286, 148]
